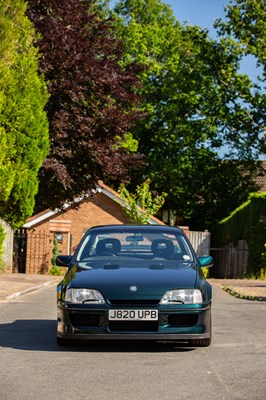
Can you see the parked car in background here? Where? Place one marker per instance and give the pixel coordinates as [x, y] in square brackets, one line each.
[134, 282]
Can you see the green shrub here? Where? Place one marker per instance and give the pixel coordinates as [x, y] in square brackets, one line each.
[55, 270]
[206, 272]
[247, 222]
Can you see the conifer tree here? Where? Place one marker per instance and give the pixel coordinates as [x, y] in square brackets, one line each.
[24, 139]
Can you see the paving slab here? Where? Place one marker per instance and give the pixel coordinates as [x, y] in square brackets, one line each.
[15, 285]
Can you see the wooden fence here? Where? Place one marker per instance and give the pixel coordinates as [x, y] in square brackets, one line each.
[201, 242]
[230, 261]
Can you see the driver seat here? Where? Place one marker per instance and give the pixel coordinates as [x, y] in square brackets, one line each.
[163, 248]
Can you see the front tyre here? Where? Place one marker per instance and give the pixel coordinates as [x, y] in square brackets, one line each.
[200, 342]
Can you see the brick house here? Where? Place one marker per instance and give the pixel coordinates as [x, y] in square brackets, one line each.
[34, 248]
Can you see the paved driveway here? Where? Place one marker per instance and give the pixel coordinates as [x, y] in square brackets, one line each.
[34, 368]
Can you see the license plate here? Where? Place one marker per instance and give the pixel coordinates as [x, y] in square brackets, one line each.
[133, 315]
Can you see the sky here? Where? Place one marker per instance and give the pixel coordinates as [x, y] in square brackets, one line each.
[199, 12]
[203, 13]
[196, 12]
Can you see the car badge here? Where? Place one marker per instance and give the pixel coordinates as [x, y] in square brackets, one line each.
[133, 288]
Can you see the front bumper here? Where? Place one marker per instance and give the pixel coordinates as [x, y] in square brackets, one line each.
[175, 323]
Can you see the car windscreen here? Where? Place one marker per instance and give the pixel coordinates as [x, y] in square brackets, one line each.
[133, 244]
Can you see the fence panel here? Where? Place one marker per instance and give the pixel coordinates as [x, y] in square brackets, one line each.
[230, 261]
[200, 242]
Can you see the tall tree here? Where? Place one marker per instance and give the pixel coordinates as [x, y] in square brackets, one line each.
[246, 21]
[92, 102]
[24, 139]
[198, 105]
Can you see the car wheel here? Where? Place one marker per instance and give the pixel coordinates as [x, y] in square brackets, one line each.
[200, 342]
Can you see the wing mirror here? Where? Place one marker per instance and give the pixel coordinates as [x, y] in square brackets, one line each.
[63, 261]
[205, 261]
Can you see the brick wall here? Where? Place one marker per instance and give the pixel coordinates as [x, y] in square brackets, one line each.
[72, 224]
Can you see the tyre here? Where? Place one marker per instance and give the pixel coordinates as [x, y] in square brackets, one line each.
[200, 342]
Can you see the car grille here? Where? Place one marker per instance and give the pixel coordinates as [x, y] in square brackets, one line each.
[84, 319]
[133, 326]
[174, 320]
[183, 320]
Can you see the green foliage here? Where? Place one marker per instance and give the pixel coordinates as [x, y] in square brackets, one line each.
[24, 139]
[197, 104]
[92, 101]
[55, 270]
[247, 222]
[246, 20]
[141, 205]
[205, 272]
[127, 142]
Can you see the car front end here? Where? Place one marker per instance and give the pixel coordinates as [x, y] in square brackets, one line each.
[127, 298]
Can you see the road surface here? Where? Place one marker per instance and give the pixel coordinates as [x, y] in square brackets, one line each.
[33, 367]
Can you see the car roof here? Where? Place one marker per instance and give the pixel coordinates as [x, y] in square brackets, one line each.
[143, 227]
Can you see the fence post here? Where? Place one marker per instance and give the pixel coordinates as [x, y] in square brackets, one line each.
[7, 245]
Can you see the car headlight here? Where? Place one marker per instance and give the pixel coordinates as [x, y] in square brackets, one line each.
[184, 296]
[84, 296]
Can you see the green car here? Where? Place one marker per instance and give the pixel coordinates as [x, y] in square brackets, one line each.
[134, 282]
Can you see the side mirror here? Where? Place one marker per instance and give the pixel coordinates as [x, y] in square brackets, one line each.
[205, 261]
[63, 261]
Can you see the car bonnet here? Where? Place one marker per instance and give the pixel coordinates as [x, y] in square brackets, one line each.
[116, 280]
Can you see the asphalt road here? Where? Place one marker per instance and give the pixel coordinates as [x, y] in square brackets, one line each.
[33, 367]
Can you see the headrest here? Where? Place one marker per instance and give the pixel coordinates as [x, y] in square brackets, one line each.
[108, 246]
[162, 247]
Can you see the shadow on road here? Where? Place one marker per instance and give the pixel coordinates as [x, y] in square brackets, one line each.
[40, 335]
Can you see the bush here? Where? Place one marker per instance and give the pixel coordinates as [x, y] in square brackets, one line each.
[247, 222]
[55, 270]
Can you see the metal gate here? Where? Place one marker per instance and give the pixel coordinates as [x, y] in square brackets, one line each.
[31, 252]
[20, 251]
[39, 248]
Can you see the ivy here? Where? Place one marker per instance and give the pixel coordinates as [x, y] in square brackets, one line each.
[246, 222]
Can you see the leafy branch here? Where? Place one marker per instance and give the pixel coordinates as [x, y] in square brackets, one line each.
[141, 205]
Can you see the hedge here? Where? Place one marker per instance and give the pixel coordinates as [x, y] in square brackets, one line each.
[247, 222]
